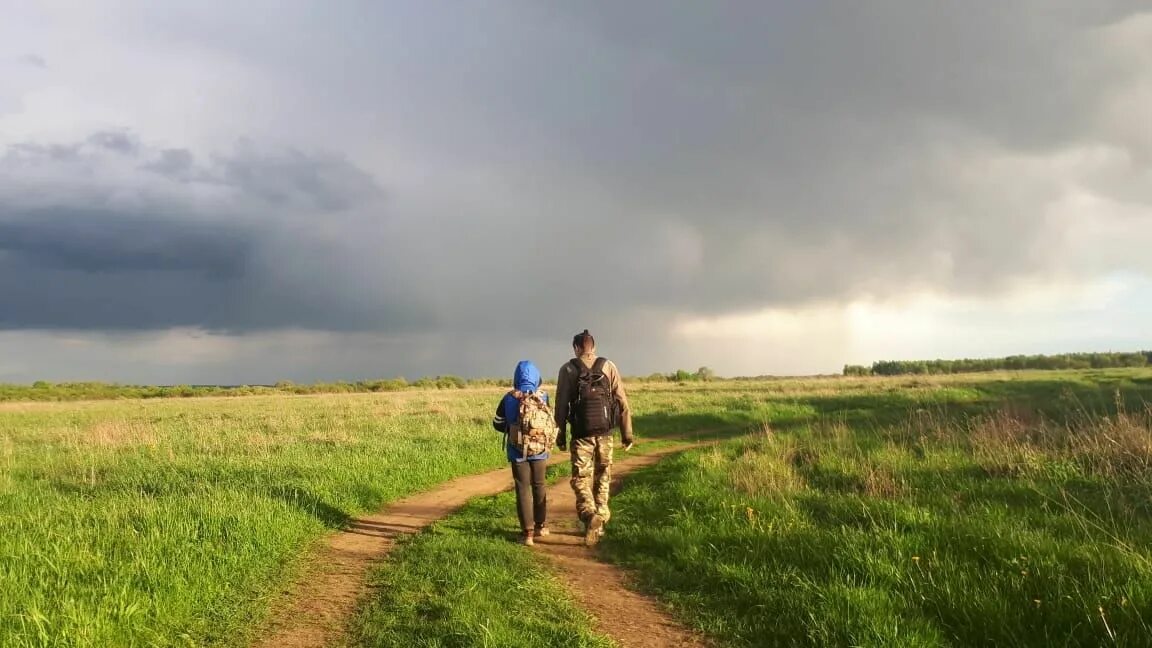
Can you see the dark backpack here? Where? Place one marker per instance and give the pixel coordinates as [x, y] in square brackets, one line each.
[593, 409]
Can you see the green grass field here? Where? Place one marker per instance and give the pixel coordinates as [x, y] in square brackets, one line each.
[921, 511]
[985, 510]
[170, 522]
[1022, 524]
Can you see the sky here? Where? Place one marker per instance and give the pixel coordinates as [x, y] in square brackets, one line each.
[222, 192]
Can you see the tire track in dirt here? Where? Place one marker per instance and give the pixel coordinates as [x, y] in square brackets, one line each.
[631, 619]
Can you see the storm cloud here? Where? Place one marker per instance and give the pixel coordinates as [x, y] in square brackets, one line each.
[419, 173]
[111, 234]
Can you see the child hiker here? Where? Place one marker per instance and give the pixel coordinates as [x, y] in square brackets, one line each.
[528, 422]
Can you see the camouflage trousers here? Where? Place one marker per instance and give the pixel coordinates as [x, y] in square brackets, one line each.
[592, 475]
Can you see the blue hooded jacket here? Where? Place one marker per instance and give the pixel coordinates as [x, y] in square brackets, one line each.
[525, 379]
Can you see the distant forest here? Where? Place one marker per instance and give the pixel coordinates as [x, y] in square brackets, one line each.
[68, 391]
[1011, 363]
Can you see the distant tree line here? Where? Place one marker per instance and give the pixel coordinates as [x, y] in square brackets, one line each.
[1011, 363]
[680, 375]
[66, 391]
[70, 391]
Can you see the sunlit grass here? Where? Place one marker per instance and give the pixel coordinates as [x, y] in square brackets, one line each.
[169, 522]
[172, 521]
[1002, 529]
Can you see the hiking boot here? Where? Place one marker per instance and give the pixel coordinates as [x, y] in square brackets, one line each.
[526, 539]
[542, 531]
[593, 531]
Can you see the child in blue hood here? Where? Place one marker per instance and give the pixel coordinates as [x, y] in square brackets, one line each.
[527, 472]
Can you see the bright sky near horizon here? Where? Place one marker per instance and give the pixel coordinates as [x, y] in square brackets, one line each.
[221, 192]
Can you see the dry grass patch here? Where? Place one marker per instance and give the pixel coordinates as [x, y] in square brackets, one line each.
[118, 433]
[764, 475]
[880, 481]
[1010, 443]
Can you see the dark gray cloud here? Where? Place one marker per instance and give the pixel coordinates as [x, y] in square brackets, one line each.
[95, 241]
[690, 158]
[175, 164]
[294, 180]
[617, 166]
[110, 234]
[33, 60]
[115, 141]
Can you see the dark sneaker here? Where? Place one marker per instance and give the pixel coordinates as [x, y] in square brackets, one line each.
[593, 531]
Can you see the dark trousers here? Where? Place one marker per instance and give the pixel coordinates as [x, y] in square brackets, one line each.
[531, 498]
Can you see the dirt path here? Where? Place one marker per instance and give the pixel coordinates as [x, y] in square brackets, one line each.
[325, 596]
[631, 619]
[323, 599]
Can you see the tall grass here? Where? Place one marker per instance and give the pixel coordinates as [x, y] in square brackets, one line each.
[174, 521]
[1003, 528]
[171, 522]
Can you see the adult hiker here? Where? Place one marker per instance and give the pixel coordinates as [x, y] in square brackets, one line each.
[590, 396]
[529, 426]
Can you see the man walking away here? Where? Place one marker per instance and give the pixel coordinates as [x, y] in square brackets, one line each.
[590, 396]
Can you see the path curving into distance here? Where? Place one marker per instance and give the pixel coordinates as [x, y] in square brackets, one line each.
[325, 596]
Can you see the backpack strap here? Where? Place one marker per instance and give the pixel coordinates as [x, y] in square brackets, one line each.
[598, 366]
[507, 426]
[579, 366]
[573, 397]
